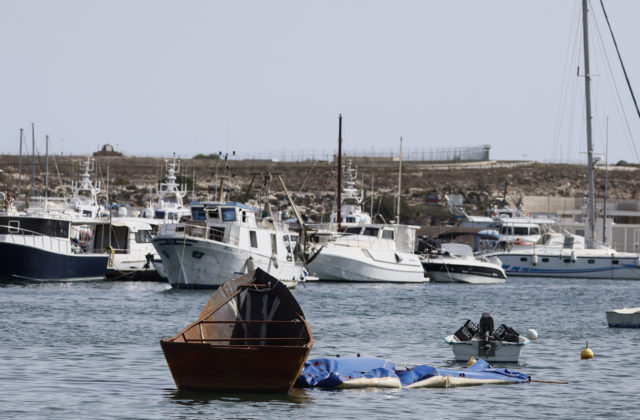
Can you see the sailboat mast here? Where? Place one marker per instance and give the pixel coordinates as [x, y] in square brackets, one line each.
[399, 183]
[591, 201]
[339, 204]
[20, 166]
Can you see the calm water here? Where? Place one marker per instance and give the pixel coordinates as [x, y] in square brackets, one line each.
[92, 350]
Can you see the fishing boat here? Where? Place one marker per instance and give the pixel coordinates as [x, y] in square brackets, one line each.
[127, 241]
[42, 248]
[250, 336]
[624, 318]
[169, 207]
[481, 341]
[223, 240]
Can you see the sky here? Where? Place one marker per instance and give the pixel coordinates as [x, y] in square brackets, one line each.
[266, 78]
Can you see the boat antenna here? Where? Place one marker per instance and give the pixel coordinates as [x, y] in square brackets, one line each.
[371, 212]
[587, 90]
[339, 212]
[20, 165]
[399, 183]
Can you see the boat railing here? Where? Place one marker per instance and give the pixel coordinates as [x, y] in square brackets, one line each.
[247, 339]
[18, 235]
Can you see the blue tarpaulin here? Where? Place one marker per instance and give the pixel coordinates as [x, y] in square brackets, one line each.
[350, 372]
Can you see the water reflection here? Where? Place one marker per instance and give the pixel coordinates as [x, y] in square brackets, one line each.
[194, 398]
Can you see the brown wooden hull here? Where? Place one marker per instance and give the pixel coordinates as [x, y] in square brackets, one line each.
[202, 366]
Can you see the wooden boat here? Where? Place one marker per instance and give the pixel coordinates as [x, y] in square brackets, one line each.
[250, 336]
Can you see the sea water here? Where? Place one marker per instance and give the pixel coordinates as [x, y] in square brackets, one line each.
[91, 350]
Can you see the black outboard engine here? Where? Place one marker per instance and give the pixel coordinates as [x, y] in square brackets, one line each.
[485, 327]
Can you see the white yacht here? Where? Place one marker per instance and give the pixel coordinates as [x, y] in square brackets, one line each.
[567, 255]
[223, 240]
[370, 253]
[363, 251]
[455, 263]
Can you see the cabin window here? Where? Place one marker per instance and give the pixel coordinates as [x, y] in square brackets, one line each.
[352, 230]
[197, 213]
[350, 219]
[387, 234]
[545, 260]
[179, 228]
[567, 260]
[244, 216]
[523, 258]
[229, 214]
[534, 231]
[143, 237]
[274, 244]
[520, 230]
[591, 261]
[14, 226]
[253, 238]
[615, 262]
[371, 231]
[216, 233]
[213, 213]
[506, 230]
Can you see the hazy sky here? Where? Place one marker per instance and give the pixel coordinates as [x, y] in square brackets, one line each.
[156, 77]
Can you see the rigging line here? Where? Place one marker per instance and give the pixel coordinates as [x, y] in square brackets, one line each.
[55, 162]
[305, 179]
[635, 150]
[624, 70]
[564, 86]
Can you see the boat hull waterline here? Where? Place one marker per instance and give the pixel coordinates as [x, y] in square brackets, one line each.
[24, 262]
[201, 264]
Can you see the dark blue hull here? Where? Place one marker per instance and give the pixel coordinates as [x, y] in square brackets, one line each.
[21, 262]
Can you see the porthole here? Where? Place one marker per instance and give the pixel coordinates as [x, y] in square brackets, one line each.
[523, 258]
[545, 260]
[591, 261]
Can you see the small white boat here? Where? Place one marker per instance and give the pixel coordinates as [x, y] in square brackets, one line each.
[455, 263]
[624, 318]
[502, 345]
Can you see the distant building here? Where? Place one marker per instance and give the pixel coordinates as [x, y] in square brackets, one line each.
[107, 150]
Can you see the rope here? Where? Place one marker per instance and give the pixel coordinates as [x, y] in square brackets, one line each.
[184, 244]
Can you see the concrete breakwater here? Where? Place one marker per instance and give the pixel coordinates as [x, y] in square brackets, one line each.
[132, 180]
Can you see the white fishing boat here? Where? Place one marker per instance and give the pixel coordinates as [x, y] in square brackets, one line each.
[223, 241]
[170, 206]
[502, 345]
[455, 263]
[624, 318]
[127, 241]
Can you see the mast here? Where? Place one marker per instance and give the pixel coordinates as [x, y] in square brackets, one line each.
[339, 212]
[46, 172]
[33, 158]
[399, 184]
[20, 166]
[591, 201]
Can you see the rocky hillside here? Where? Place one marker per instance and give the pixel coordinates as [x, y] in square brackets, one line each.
[313, 183]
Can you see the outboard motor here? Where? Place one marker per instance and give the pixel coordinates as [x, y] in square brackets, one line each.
[485, 327]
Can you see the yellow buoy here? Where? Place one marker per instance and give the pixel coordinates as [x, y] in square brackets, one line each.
[471, 361]
[586, 352]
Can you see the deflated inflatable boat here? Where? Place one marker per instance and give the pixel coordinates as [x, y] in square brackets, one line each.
[364, 372]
